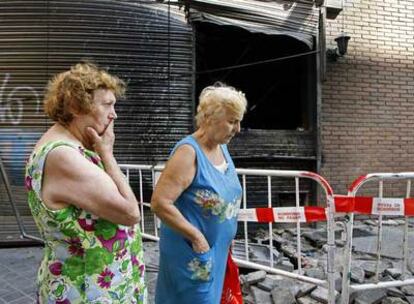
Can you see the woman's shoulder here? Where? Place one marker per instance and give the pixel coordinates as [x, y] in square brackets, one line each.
[188, 144]
[52, 138]
[185, 150]
[43, 148]
[189, 139]
[44, 145]
[54, 150]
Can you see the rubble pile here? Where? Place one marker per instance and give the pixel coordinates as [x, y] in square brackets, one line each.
[260, 287]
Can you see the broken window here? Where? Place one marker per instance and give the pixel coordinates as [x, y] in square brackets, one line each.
[281, 94]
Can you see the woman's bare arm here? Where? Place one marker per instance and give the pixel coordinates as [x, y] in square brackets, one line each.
[69, 178]
[176, 177]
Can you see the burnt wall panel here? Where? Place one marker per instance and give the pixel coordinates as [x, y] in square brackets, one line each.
[278, 150]
[145, 43]
[275, 144]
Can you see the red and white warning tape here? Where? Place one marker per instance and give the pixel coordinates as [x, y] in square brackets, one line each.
[374, 205]
[343, 204]
[283, 214]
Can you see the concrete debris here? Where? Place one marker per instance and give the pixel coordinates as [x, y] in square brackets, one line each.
[370, 267]
[307, 300]
[395, 273]
[260, 296]
[321, 294]
[357, 274]
[282, 295]
[317, 273]
[261, 254]
[392, 300]
[267, 284]
[395, 292]
[254, 277]
[408, 290]
[261, 287]
[374, 296]
[392, 240]
[410, 300]
[151, 256]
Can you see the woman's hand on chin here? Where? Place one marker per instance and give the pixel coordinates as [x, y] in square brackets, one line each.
[102, 144]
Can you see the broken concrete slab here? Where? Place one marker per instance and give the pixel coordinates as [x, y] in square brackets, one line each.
[357, 274]
[410, 299]
[285, 264]
[408, 290]
[254, 277]
[370, 267]
[260, 296]
[298, 288]
[267, 284]
[392, 300]
[317, 238]
[304, 289]
[280, 281]
[395, 292]
[392, 236]
[261, 254]
[307, 300]
[374, 296]
[314, 264]
[282, 295]
[394, 272]
[321, 294]
[317, 273]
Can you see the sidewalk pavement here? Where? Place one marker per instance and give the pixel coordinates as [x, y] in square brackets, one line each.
[18, 270]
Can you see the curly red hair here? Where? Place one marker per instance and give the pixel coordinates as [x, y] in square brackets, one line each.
[72, 91]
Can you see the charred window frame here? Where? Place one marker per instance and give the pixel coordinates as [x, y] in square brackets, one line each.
[281, 93]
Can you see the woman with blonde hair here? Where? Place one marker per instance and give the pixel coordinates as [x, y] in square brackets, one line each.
[197, 197]
[83, 206]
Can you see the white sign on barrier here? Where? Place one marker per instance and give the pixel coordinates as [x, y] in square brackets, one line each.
[289, 214]
[388, 206]
[247, 215]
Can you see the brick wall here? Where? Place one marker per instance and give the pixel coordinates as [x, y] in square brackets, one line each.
[367, 119]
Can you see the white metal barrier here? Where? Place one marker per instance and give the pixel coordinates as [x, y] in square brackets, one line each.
[295, 214]
[145, 206]
[379, 206]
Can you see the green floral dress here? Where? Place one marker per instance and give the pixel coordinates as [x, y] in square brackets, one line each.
[86, 259]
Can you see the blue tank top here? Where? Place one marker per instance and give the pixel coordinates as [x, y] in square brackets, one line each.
[211, 204]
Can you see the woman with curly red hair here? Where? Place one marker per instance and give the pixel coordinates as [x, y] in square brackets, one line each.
[82, 204]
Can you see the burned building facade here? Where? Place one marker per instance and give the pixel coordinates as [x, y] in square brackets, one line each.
[340, 119]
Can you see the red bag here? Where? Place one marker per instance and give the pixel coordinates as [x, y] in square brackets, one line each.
[231, 287]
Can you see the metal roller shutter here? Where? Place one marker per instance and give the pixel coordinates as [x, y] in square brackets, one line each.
[130, 38]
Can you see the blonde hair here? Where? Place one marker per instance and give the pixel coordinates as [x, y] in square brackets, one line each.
[217, 98]
[72, 91]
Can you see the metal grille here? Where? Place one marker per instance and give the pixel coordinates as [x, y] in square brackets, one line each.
[129, 38]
